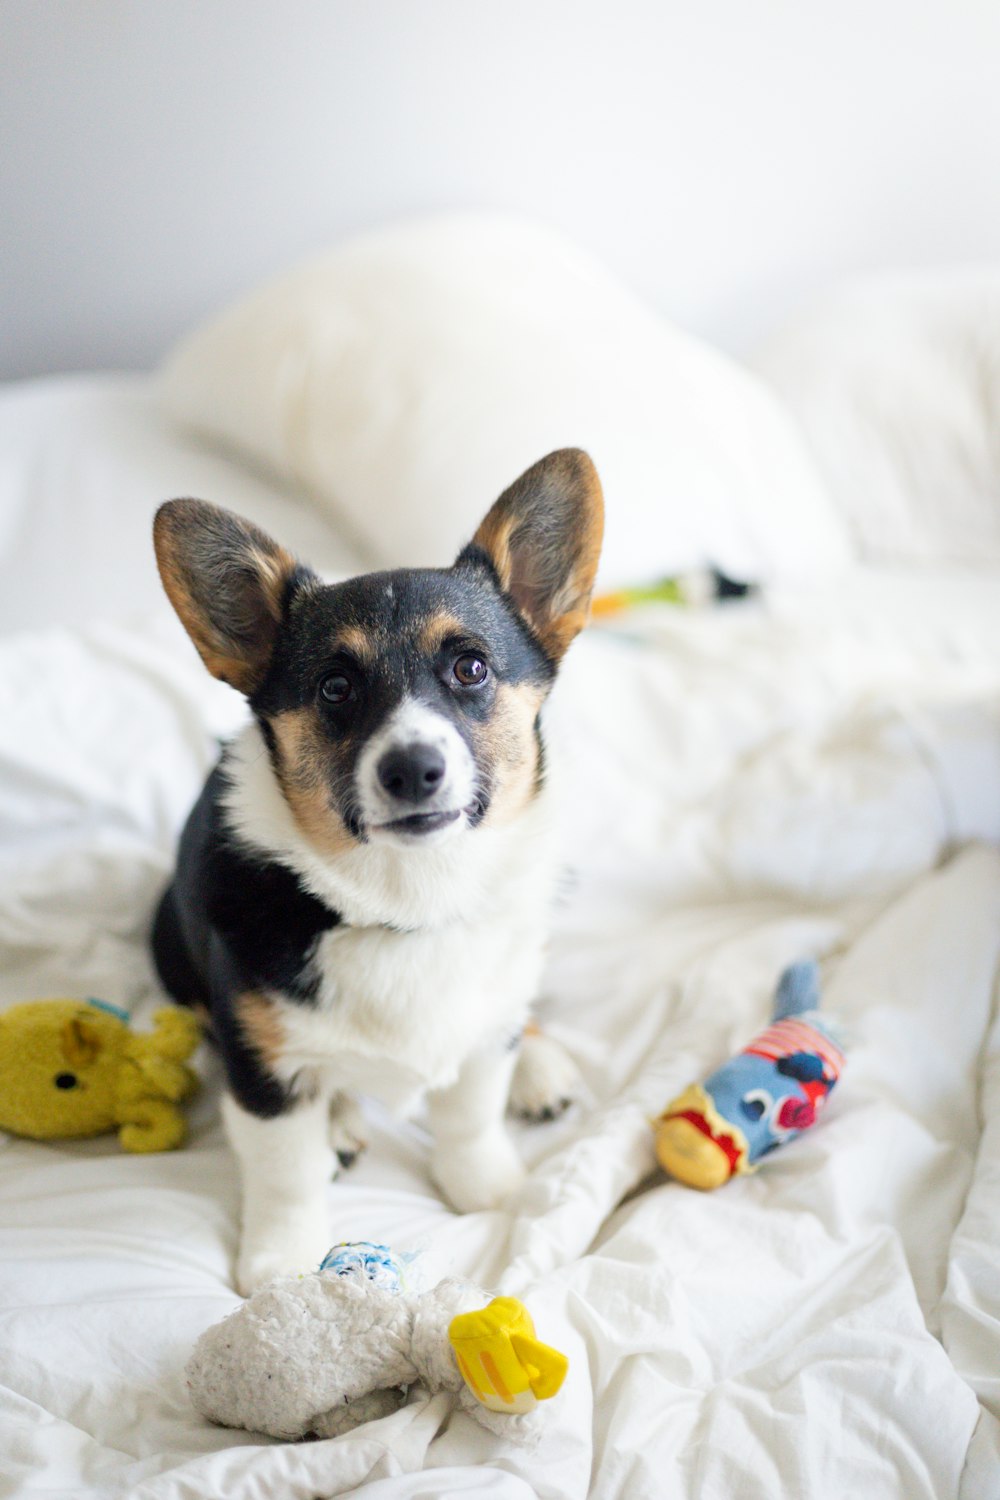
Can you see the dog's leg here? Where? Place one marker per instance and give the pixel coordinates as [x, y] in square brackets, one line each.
[546, 1079]
[285, 1166]
[474, 1160]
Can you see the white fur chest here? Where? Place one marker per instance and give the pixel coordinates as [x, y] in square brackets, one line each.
[398, 1012]
[440, 953]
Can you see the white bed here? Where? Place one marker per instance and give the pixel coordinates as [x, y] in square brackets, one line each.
[816, 773]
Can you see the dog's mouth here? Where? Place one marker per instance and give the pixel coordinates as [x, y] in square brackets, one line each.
[416, 825]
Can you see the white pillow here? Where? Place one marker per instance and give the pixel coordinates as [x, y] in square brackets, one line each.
[408, 377]
[896, 382]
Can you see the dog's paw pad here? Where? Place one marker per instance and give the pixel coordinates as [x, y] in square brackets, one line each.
[546, 1080]
[546, 1113]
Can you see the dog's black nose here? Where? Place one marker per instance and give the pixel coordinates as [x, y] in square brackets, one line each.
[412, 773]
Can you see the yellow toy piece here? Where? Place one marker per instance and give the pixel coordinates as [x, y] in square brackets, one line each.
[502, 1362]
[687, 1142]
[72, 1068]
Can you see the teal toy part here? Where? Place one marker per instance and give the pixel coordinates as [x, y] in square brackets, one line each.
[110, 1009]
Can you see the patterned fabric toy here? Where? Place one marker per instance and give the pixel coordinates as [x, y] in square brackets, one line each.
[318, 1355]
[762, 1098]
[73, 1068]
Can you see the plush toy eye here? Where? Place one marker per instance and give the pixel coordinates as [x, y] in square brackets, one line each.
[65, 1080]
[336, 688]
[470, 671]
[756, 1103]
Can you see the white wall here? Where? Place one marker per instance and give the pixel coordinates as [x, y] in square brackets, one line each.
[728, 157]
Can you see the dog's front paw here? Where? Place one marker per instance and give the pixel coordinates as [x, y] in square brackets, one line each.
[546, 1079]
[348, 1131]
[292, 1250]
[478, 1173]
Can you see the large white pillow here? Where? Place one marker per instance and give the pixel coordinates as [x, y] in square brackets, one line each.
[407, 377]
[896, 382]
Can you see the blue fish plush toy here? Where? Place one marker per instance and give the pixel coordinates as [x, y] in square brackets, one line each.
[763, 1097]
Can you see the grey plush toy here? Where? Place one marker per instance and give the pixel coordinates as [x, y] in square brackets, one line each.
[320, 1354]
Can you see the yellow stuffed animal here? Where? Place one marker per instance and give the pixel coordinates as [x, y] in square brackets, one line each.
[73, 1068]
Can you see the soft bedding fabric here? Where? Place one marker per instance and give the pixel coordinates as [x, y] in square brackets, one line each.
[84, 461]
[740, 788]
[895, 380]
[411, 374]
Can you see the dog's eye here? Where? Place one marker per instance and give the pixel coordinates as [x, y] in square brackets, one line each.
[65, 1080]
[336, 688]
[470, 670]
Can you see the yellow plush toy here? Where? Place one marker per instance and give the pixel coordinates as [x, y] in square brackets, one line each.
[73, 1068]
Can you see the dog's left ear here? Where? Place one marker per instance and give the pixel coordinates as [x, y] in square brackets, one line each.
[543, 539]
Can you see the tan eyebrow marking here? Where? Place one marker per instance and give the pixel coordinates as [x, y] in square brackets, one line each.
[355, 640]
[437, 630]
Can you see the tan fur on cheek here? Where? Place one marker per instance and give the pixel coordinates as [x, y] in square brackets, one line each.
[304, 772]
[261, 1026]
[510, 744]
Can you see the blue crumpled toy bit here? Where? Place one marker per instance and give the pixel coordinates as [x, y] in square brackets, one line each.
[363, 1260]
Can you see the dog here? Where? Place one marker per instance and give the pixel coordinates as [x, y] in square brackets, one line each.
[362, 891]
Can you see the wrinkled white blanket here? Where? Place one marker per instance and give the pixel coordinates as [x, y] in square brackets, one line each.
[739, 789]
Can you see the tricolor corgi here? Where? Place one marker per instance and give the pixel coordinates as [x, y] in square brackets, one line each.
[362, 892]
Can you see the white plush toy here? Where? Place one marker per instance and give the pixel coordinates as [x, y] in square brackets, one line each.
[320, 1354]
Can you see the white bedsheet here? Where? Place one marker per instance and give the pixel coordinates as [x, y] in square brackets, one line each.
[84, 461]
[740, 788]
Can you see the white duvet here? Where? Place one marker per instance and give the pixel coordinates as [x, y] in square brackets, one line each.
[820, 774]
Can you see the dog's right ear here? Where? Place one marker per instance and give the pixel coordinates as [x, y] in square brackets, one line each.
[229, 583]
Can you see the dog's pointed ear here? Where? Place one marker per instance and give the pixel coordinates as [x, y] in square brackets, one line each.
[543, 541]
[229, 583]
